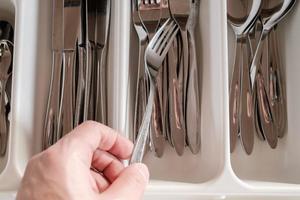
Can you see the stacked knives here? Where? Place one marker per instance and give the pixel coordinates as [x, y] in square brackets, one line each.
[78, 89]
[175, 116]
[6, 64]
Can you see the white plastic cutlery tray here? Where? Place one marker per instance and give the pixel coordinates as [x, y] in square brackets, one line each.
[212, 174]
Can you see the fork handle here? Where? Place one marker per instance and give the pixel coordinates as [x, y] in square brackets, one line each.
[143, 134]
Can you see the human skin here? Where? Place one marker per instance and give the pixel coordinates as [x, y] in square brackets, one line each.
[63, 171]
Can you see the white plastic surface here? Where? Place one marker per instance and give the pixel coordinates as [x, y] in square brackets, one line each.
[208, 175]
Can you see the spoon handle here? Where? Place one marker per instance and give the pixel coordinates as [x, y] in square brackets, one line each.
[234, 96]
[279, 95]
[246, 105]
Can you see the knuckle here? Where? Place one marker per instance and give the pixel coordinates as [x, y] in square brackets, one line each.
[91, 124]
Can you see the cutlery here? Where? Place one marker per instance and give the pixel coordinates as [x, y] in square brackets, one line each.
[82, 39]
[140, 99]
[192, 115]
[6, 49]
[51, 120]
[150, 13]
[102, 31]
[71, 22]
[5, 63]
[242, 20]
[278, 96]
[180, 11]
[253, 40]
[155, 53]
[90, 65]
[259, 73]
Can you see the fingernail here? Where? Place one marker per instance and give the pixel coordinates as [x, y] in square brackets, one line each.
[143, 170]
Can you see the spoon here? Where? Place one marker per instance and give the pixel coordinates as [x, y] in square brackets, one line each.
[278, 96]
[242, 16]
[259, 71]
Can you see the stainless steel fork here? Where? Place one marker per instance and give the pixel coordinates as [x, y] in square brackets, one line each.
[180, 10]
[155, 54]
[150, 13]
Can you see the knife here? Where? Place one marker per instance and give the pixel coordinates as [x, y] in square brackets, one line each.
[50, 126]
[81, 66]
[71, 16]
[102, 31]
[91, 27]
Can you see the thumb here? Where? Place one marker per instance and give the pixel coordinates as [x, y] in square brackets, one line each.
[130, 184]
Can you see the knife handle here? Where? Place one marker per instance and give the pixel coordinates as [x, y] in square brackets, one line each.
[50, 127]
[66, 109]
[101, 87]
[88, 80]
[80, 85]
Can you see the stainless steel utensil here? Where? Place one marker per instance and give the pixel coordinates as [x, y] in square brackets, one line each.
[140, 99]
[259, 72]
[102, 31]
[192, 115]
[82, 54]
[71, 22]
[90, 65]
[5, 63]
[180, 10]
[242, 16]
[278, 91]
[51, 128]
[154, 56]
[150, 13]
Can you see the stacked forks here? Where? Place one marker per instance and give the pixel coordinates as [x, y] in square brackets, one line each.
[176, 101]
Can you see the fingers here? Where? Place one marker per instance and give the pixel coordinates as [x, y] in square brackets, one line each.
[89, 136]
[110, 166]
[101, 183]
[130, 184]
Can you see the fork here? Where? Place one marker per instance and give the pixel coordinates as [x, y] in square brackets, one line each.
[180, 11]
[154, 56]
[150, 12]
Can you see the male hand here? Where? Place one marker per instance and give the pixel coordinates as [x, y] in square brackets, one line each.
[64, 171]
